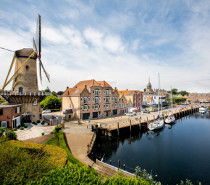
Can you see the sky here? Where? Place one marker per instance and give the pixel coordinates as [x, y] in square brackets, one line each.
[124, 42]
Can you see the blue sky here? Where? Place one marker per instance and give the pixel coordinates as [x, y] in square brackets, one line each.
[122, 42]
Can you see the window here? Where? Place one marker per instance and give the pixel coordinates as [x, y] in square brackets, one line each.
[88, 107]
[34, 101]
[81, 107]
[93, 107]
[99, 106]
[88, 99]
[85, 100]
[93, 91]
[104, 99]
[1, 111]
[4, 124]
[104, 91]
[20, 90]
[93, 99]
[96, 92]
[81, 99]
[99, 98]
[27, 68]
[99, 91]
[104, 106]
[96, 99]
[18, 110]
[110, 92]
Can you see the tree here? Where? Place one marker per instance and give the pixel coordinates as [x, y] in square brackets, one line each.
[183, 93]
[174, 91]
[54, 93]
[144, 89]
[46, 90]
[51, 102]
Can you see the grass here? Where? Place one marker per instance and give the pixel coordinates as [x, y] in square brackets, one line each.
[59, 140]
[53, 140]
[19, 165]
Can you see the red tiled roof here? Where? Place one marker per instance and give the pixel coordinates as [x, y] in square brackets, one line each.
[79, 87]
[129, 92]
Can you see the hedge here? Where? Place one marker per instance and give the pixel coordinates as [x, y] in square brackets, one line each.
[56, 155]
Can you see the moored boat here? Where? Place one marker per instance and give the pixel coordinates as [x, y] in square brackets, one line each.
[203, 109]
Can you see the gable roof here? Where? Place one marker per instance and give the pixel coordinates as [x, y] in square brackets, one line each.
[128, 92]
[79, 87]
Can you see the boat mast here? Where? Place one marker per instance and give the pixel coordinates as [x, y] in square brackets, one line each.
[158, 94]
[171, 99]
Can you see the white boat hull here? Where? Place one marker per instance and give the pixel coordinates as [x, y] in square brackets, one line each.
[202, 110]
[156, 125]
[170, 119]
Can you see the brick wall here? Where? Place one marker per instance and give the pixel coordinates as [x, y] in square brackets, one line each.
[8, 113]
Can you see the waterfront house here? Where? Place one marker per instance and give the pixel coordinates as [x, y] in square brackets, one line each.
[134, 98]
[90, 99]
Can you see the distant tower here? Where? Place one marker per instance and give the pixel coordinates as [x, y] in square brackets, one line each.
[149, 87]
[26, 78]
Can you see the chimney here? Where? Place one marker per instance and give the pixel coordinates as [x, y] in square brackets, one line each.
[67, 87]
[126, 89]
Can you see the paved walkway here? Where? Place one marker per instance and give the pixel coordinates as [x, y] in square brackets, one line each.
[78, 137]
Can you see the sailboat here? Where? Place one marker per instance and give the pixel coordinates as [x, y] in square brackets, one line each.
[170, 119]
[158, 123]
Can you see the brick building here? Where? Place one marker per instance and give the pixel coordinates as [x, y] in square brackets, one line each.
[90, 98]
[10, 115]
[199, 97]
[133, 97]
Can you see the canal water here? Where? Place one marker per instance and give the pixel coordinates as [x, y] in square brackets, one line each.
[174, 153]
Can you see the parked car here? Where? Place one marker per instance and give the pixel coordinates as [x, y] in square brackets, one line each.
[130, 114]
[145, 111]
[46, 111]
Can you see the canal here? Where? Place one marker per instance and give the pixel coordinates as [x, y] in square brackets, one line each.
[174, 153]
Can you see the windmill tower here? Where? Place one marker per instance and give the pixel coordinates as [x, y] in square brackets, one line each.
[25, 79]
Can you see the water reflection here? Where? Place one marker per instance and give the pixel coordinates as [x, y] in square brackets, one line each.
[176, 152]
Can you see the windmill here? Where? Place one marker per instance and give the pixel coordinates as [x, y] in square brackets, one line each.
[25, 80]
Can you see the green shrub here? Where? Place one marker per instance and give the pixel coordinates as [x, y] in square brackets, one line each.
[33, 123]
[14, 129]
[57, 128]
[43, 122]
[1, 131]
[25, 126]
[21, 165]
[10, 135]
[38, 121]
[21, 128]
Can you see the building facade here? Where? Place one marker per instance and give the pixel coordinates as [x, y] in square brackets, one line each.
[90, 99]
[133, 97]
[199, 97]
[10, 115]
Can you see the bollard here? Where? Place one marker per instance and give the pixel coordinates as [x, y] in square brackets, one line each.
[139, 124]
[118, 130]
[123, 166]
[110, 162]
[130, 126]
[118, 164]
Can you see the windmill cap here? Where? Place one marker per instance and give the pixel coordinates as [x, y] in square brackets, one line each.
[26, 52]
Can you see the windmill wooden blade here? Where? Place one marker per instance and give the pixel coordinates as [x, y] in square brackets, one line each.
[47, 75]
[39, 57]
[38, 35]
